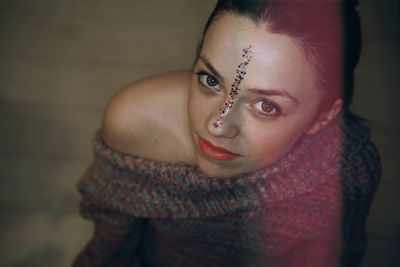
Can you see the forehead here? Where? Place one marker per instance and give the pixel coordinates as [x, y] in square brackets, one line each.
[278, 60]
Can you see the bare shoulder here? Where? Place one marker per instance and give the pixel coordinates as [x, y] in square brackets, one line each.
[148, 118]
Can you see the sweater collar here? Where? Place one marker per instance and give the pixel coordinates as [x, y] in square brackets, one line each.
[180, 190]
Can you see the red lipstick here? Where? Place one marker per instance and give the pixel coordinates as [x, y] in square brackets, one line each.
[214, 152]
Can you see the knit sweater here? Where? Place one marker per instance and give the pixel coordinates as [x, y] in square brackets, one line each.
[309, 208]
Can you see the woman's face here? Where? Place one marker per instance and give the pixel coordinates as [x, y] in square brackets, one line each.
[277, 102]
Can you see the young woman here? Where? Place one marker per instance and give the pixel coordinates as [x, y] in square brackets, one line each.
[251, 158]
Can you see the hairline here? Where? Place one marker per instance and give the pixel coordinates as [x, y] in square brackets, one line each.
[263, 22]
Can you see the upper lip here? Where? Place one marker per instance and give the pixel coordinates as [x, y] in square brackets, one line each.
[217, 148]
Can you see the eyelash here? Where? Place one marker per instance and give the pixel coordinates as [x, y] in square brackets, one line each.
[276, 108]
[205, 74]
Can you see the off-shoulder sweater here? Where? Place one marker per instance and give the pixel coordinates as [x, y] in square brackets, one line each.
[308, 209]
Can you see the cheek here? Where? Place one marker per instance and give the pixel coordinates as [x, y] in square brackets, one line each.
[272, 148]
[198, 107]
[273, 142]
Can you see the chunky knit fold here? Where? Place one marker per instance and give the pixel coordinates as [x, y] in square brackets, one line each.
[153, 189]
[307, 209]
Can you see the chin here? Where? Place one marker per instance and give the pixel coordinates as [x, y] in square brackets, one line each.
[214, 170]
[218, 174]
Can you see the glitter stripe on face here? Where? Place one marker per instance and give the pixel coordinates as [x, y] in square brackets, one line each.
[240, 73]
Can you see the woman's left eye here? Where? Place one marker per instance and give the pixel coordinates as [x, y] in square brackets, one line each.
[208, 80]
[267, 108]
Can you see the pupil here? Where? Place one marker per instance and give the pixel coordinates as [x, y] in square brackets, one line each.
[267, 107]
[211, 81]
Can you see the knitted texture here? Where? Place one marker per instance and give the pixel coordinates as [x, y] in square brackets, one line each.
[307, 209]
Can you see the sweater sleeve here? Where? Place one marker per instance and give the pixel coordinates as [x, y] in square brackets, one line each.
[327, 227]
[116, 233]
[305, 231]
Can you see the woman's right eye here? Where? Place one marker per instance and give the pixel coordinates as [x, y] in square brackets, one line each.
[209, 81]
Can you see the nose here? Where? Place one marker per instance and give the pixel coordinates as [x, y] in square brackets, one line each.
[224, 126]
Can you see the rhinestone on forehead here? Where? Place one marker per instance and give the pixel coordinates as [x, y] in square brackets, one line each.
[240, 73]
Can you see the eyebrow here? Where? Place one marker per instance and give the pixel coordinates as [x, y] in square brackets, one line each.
[266, 92]
[274, 92]
[211, 67]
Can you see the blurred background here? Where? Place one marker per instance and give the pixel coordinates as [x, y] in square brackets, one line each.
[60, 62]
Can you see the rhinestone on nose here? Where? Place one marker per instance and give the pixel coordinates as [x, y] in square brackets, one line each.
[240, 73]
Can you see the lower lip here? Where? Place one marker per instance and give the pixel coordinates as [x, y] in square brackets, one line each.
[214, 154]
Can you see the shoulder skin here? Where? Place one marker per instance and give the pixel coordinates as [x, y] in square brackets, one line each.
[148, 118]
